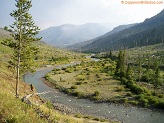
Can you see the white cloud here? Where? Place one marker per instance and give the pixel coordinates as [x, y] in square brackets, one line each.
[57, 12]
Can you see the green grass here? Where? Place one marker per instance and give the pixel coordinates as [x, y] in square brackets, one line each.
[96, 81]
[50, 55]
[88, 78]
[12, 109]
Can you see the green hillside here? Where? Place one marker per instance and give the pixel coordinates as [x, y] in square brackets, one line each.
[12, 109]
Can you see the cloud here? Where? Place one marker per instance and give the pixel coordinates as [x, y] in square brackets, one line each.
[57, 12]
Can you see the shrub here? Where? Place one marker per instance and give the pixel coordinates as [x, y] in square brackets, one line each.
[119, 89]
[99, 79]
[123, 80]
[78, 115]
[129, 94]
[141, 96]
[79, 83]
[97, 76]
[152, 101]
[134, 102]
[125, 100]
[96, 118]
[11, 119]
[63, 68]
[67, 90]
[160, 96]
[160, 105]
[96, 93]
[88, 73]
[144, 102]
[68, 71]
[49, 105]
[78, 94]
[73, 87]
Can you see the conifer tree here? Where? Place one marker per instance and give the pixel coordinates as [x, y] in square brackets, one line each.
[110, 54]
[139, 67]
[120, 68]
[24, 32]
[156, 80]
[129, 72]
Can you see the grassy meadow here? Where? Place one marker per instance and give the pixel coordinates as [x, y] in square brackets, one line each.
[97, 80]
[88, 80]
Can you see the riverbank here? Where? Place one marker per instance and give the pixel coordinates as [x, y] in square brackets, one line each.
[111, 111]
[52, 84]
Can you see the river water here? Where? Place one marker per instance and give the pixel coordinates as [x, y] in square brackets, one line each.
[120, 113]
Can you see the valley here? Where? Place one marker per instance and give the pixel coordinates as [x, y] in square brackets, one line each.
[89, 64]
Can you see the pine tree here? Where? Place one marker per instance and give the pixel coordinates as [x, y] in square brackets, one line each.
[24, 34]
[120, 67]
[110, 54]
[129, 73]
[156, 79]
[139, 67]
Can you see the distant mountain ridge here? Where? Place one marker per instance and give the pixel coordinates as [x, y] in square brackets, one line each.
[149, 32]
[117, 29]
[69, 34]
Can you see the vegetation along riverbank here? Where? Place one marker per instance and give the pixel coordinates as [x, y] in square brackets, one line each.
[123, 77]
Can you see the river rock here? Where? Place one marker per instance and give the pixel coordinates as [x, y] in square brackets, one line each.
[63, 108]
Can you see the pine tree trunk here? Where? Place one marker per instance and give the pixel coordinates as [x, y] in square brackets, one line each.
[18, 61]
[17, 77]
[18, 73]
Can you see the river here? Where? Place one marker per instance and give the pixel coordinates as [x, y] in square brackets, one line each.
[120, 113]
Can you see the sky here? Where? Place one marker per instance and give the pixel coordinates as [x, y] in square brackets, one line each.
[47, 13]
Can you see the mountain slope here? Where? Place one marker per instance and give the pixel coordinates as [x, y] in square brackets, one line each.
[4, 33]
[69, 34]
[117, 29]
[149, 32]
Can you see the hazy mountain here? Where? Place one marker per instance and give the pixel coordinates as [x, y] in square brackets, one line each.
[68, 34]
[149, 32]
[4, 33]
[78, 46]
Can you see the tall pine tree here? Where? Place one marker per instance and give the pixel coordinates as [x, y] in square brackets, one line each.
[24, 32]
[120, 67]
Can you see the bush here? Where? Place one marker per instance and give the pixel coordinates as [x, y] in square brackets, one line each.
[160, 105]
[119, 89]
[79, 83]
[96, 118]
[129, 94]
[68, 71]
[78, 115]
[73, 87]
[160, 96]
[134, 102]
[125, 100]
[78, 94]
[144, 102]
[68, 90]
[96, 93]
[152, 100]
[97, 76]
[99, 79]
[64, 68]
[141, 96]
[123, 80]
[11, 119]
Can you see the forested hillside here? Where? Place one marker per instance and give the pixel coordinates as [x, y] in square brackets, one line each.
[79, 46]
[146, 33]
